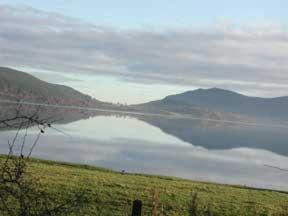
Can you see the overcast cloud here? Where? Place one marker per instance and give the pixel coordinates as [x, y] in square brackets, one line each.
[251, 59]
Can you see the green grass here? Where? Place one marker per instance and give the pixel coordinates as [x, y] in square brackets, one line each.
[111, 193]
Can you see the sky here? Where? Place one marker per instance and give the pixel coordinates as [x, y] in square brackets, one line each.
[163, 13]
[136, 51]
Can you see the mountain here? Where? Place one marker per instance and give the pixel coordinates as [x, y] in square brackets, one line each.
[224, 101]
[255, 119]
[212, 103]
[183, 106]
[176, 108]
[17, 85]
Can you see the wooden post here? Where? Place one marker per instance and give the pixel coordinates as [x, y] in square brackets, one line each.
[137, 207]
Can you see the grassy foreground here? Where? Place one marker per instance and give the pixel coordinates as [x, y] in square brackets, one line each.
[111, 193]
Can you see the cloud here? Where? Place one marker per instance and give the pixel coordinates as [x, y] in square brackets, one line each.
[250, 59]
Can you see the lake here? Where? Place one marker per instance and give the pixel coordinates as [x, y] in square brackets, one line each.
[192, 149]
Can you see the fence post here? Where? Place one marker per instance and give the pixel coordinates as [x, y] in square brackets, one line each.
[137, 207]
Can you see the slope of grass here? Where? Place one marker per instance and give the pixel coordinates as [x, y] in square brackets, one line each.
[111, 193]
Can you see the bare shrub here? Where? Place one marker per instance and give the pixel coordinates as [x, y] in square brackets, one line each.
[21, 193]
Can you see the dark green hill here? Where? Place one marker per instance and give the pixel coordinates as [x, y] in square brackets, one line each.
[16, 85]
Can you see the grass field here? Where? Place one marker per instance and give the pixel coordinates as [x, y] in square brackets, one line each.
[111, 193]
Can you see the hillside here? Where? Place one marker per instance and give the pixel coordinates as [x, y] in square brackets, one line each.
[111, 193]
[227, 101]
[188, 108]
[165, 107]
[16, 85]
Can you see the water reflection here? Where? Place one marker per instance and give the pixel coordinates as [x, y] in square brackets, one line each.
[136, 146]
[221, 136]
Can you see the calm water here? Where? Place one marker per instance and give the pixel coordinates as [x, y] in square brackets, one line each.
[234, 154]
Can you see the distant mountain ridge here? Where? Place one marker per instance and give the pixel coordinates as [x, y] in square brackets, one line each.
[184, 108]
[221, 100]
[211, 103]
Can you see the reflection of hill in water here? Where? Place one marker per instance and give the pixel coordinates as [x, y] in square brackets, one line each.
[208, 134]
[55, 115]
[219, 136]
